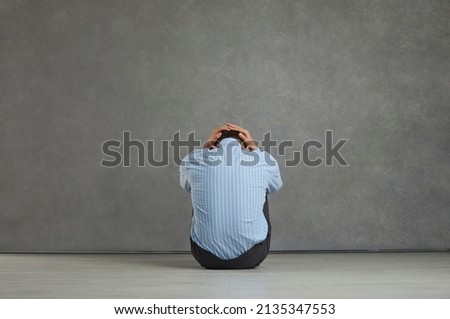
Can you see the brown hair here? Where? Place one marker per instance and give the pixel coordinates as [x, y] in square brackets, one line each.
[232, 134]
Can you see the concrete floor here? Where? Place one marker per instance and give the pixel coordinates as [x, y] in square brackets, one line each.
[310, 275]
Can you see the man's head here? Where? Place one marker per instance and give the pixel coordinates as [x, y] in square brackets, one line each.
[231, 131]
[228, 134]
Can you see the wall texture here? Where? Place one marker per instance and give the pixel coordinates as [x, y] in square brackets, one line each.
[75, 74]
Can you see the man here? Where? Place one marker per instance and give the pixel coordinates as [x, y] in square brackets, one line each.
[229, 180]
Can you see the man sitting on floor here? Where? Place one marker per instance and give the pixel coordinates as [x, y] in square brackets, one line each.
[229, 180]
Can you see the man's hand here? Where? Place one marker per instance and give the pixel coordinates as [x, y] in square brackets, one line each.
[244, 134]
[214, 136]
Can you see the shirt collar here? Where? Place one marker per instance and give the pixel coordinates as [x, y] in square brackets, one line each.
[229, 140]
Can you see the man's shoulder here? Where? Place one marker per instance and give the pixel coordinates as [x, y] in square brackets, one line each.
[194, 156]
[255, 157]
[263, 154]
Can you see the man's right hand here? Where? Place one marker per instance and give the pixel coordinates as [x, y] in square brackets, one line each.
[245, 136]
[214, 136]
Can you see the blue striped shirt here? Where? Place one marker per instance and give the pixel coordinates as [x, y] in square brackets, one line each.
[228, 186]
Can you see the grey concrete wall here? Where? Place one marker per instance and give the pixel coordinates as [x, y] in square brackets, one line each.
[77, 73]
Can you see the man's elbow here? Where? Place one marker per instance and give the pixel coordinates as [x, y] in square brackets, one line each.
[278, 185]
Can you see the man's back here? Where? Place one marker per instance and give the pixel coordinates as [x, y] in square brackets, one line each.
[228, 188]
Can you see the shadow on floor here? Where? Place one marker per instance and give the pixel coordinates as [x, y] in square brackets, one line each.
[160, 261]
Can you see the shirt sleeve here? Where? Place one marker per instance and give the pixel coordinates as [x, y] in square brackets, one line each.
[274, 182]
[184, 180]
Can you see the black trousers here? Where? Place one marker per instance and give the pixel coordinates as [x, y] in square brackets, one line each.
[250, 259]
